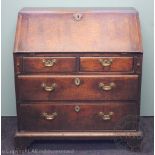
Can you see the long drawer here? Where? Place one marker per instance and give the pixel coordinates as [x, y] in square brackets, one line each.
[72, 87]
[46, 117]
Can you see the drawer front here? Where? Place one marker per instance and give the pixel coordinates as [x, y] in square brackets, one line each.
[46, 117]
[49, 64]
[106, 64]
[103, 87]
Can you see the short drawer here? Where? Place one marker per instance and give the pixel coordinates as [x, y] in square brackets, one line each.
[49, 64]
[69, 87]
[106, 64]
[47, 117]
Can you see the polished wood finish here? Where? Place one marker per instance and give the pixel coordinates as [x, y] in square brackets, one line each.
[30, 87]
[24, 139]
[40, 64]
[82, 135]
[105, 31]
[77, 74]
[69, 119]
[118, 64]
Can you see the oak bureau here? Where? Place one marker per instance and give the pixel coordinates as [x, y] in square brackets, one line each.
[78, 74]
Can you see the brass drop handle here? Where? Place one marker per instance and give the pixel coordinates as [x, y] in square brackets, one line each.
[105, 62]
[107, 87]
[49, 88]
[49, 63]
[49, 116]
[106, 117]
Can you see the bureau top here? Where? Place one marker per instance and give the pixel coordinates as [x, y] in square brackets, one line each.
[71, 10]
[78, 30]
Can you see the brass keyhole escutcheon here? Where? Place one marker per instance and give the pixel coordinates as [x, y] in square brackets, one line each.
[77, 16]
[77, 81]
[77, 108]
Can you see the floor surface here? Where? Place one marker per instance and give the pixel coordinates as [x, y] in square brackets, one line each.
[76, 147]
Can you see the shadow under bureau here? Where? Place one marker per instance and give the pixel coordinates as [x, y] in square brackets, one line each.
[78, 74]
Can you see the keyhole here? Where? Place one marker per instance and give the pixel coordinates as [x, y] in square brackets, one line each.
[77, 17]
[77, 108]
[77, 81]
